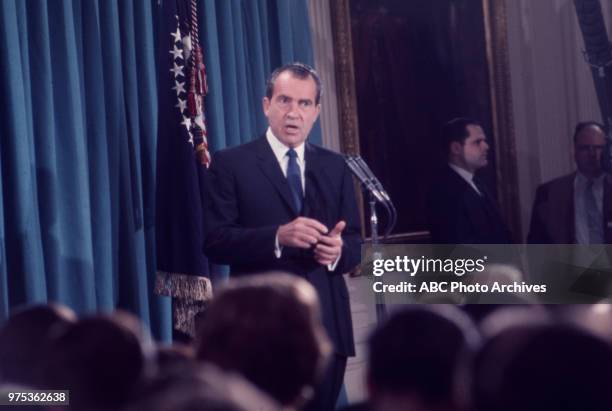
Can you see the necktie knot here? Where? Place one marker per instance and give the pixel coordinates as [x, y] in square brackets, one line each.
[291, 153]
[479, 186]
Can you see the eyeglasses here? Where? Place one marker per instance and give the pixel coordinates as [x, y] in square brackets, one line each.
[589, 147]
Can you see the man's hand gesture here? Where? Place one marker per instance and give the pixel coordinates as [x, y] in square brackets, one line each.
[329, 247]
[301, 233]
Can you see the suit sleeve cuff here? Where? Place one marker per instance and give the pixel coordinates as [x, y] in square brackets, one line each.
[278, 249]
[332, 266]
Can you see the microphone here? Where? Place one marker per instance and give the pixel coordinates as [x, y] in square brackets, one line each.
[375, 181]
[364, 177]
[368, 180]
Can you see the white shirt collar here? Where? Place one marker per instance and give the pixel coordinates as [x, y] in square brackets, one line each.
[462, 172]
[280, 149]
[582, 179]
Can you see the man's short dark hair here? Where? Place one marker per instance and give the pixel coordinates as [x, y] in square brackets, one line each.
[456, 130]
[551, 367]
[99, 359]
[297, 70]
[267, 327]
[586, 124]
[402, 361]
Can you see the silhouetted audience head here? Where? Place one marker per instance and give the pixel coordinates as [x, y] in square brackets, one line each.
[261, 347]
[596, 318]
[413, 357]
[267, 328]
[506, 317]
[172, 356]
[24, 338]
[193, 387]
[502, 329]
[99, 359]
[548, 367]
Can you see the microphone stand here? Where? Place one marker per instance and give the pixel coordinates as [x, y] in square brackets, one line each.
[373, 218]
[376, 193]
[381, 307]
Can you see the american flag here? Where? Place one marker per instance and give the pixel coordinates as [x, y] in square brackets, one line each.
[182, 155]
[189, 75]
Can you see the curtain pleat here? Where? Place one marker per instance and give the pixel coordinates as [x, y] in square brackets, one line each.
[94, 97]
[25, 264]
[40, 78]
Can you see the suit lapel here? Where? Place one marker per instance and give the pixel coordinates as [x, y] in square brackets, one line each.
[564, 211]
[271, 169]
[313, 203]
[486, 197]
[476, 201]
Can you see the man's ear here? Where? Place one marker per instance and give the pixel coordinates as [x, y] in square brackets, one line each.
[265, 102]
[456, 148]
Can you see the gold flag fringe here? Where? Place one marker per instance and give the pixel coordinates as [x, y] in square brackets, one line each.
[190, 296]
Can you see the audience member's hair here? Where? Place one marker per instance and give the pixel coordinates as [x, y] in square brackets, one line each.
[23, 341]
[512, 308]
[99, 360]
[175, 355]
[416, 352]
[504, 329]
[508, 317]
[597, 318]
[456, 131]
[267, 328]
[555, 367]
[199, 388]
[586, 124]
[298, 70]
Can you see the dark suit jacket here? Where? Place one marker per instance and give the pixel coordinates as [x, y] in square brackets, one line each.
[552, 216]
[249, 197]
[459, 215]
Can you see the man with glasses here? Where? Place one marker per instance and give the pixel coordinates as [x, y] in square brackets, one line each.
[576, 208]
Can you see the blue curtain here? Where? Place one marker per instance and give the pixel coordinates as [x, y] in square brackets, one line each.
[78, 122]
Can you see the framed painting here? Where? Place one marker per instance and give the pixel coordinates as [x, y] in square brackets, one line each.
[404, 68]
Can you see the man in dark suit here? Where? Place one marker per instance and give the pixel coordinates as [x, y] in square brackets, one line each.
[280, 203]
[576, 208]
[461, 208]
